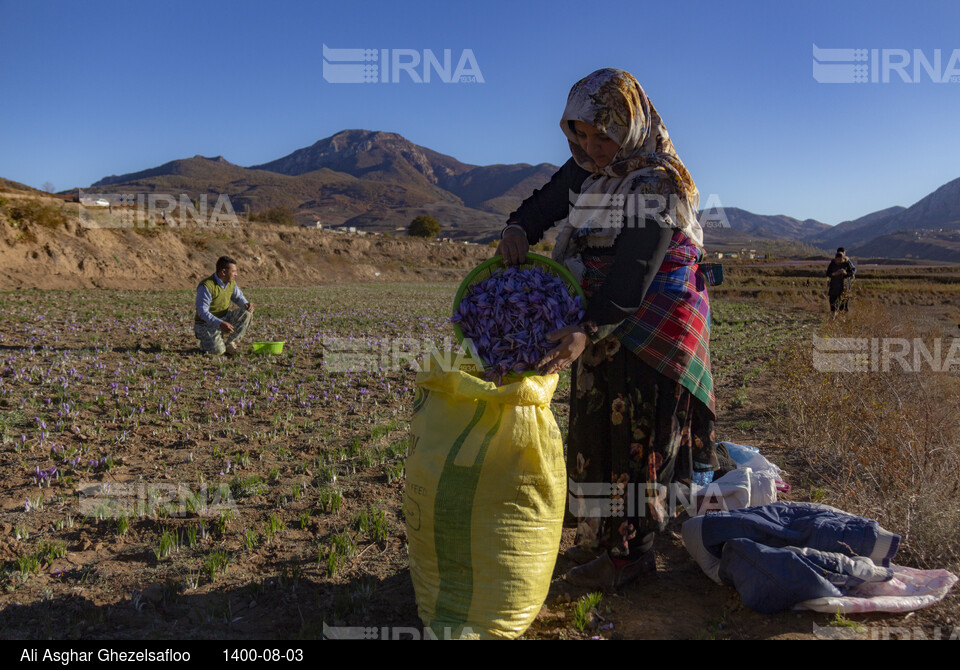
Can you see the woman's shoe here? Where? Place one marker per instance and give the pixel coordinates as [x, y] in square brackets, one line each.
[579, 554]
[602, 573]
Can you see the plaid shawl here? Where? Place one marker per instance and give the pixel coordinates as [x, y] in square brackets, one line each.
[671, 330]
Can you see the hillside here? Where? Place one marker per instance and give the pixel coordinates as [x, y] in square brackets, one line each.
[371, 154]
[371, 180]
[760, 226]
[379, 181]
[64, 254]
[381, 156]
[940, 209]
[324, 194]
[8, 185]
[851, 232]
[934, 245]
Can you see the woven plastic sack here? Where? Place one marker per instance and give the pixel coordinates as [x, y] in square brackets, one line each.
[485, 490]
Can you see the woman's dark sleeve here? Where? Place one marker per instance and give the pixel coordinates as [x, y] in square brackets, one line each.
[640, 250]
[549, 204]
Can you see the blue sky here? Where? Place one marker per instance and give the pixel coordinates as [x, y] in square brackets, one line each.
[98, 88]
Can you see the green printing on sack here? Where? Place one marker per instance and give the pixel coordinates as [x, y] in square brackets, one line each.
[453, 509]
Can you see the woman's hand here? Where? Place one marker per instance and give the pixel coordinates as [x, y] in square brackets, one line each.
[573, 340]
[513, 247]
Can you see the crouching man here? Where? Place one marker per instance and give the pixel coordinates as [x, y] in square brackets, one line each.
[218, 326]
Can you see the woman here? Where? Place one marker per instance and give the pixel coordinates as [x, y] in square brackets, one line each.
[841, 272]
[641, 398]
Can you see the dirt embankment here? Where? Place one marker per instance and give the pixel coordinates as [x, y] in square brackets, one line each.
[66, 254]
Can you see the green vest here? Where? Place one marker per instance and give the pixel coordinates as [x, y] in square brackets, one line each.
[220, 298]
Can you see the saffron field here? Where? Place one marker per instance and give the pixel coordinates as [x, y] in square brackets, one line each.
[150, 491]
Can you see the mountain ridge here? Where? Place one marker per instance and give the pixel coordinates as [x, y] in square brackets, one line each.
[378, 180]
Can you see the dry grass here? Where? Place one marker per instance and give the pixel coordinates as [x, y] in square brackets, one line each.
[806, 287]
[883, 444]
[33, 211]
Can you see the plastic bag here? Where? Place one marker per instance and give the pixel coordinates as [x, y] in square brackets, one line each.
[909, 590]
[485, 494]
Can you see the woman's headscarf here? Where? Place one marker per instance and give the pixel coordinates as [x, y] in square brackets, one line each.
[646, 164]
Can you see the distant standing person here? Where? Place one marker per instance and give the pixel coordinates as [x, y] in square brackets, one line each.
[841, 272]
[218, 327]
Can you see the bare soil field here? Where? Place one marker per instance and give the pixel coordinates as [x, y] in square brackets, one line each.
[105, 392]
[151, 492]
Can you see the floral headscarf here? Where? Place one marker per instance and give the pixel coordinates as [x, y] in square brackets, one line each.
[646, 164]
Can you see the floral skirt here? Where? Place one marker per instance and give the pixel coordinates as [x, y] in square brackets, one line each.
[633, 432]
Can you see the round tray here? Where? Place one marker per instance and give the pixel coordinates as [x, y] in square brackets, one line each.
[490, 267]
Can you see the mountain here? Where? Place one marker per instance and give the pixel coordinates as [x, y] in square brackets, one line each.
[374, 156]
[373, 180]
[380, 181]
[500, 188]
[933, 245]
[926, 229]
[852, 232]
[745, 225]
[197, 167]
[381, 156]
[940, 209]
[330, 196]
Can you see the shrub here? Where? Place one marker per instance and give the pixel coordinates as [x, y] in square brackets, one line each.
[424, 226]
[282, 215]
[36, 212]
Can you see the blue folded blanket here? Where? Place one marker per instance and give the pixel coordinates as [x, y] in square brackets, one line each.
[780, 554]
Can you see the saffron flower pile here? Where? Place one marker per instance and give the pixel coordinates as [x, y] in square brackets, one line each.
[508, 317]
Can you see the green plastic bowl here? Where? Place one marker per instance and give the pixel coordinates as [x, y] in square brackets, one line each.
[267, 347]
[489, 267]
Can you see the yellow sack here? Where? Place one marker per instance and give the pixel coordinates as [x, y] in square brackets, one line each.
[484, 502]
